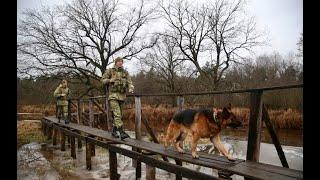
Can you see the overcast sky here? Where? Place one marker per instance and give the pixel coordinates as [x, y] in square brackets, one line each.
[282, 18]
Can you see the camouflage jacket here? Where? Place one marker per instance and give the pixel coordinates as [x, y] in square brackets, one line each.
[61, 94]
[117, 89]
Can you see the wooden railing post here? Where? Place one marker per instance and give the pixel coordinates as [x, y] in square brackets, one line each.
[69, 110]
[79, 114]
[180, 103]
[109, 123]
[56, 110]
[91, 115]
[254, 133]
[136, 163]
[91, 119]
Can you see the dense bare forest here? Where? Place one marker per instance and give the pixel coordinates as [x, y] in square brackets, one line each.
[267, 70]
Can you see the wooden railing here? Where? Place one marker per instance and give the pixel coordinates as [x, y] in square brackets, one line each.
[258, 115]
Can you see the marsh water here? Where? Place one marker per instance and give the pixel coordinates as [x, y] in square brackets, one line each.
[51, 163]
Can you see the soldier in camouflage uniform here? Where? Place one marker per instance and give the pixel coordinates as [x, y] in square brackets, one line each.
[118, 81]
[62, 93]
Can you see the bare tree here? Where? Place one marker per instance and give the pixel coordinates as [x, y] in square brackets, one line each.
[81, 39]
[219, 30]
[188, 27]
[166, 59]
[232, 35]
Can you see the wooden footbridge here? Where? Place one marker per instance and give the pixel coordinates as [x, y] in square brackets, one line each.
[142, 151]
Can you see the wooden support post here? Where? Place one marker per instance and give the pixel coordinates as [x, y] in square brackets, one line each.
[45, 129]
[254, 134]
[138, 117]
[79, 142]
[68, 140]
[56, 110]
[92, 147]
[150, 172]
[178, 176]
[274, 137]
[138, 169]
[79, 112]
[69, 110]
[54, 136]
[113, 166]
[73, 147]
[43, 126]
[137, 163]
[180, 102]
[49, 131]
[91, 117]
[93, 150]
[88, 155]
[79, 121]
[62, 141]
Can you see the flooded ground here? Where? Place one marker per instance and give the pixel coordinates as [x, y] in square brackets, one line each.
[35, 162]
[289, 137]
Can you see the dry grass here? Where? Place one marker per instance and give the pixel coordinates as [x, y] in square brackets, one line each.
[45, 109]
[29, 132]
[159, 117]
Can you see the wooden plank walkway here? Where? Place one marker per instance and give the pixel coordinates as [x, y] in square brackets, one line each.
[241, 167]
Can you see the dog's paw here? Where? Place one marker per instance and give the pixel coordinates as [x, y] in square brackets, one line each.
[181, 151]
[194, 155]
[230, 158]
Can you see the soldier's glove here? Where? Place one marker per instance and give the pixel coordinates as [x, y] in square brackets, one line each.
[130, 90]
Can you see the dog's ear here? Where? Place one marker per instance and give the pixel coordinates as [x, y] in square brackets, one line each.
[225, 112]
[229, 107]
[214, 109]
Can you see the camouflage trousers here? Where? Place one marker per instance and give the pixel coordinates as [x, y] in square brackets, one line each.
[116, 108]
[62, 111]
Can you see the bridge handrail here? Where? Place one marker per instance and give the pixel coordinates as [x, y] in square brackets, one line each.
[204, 93]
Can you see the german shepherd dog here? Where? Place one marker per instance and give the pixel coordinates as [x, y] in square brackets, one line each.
[202, 123]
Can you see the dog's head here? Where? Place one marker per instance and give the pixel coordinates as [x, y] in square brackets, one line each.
[229, 119]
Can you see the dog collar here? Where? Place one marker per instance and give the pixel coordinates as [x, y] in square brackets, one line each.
[214, 115]
[216, 120]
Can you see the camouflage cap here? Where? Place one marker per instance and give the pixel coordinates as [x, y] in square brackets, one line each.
[118, 59]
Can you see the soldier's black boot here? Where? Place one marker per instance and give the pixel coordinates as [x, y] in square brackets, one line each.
[66, 121]
[114, 132]
[123, 134]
